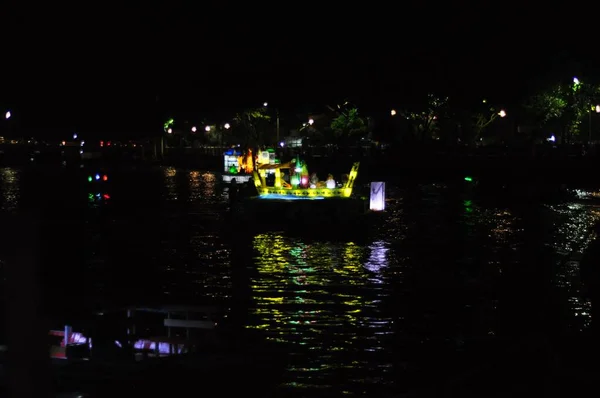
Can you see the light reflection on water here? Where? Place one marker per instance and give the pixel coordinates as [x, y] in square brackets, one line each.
[191, 187]
[377, 261]
[193, 247]
[9, 188]
[324, 299]
[338, 307]
[571, 236]
[170, 183]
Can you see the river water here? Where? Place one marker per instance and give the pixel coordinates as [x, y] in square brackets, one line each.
[417, 298]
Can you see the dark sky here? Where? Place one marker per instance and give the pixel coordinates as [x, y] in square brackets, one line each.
[104, 65]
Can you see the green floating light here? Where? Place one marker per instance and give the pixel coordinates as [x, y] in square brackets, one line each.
[89, 178]
[469, 179]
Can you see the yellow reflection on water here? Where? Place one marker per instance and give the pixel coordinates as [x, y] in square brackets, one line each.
[170, 174]
[202, 185]
[9, 188]
[320, 298]
[504, 227]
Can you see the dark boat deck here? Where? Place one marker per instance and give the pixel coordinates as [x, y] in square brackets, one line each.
[336, 212]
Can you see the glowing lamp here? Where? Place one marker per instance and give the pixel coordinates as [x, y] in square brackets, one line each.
[90, 178]
[294, 180]
[304, 181]
[331, 183]
[97, 177]
[377, 199]
[468, 179]
[105, 178]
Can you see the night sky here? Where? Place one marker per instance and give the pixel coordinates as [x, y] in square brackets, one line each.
[104, 67]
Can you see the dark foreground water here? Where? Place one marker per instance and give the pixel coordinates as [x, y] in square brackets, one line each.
[427, 296]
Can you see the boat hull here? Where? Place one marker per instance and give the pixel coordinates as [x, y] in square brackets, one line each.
[239, 178]
[337, 214]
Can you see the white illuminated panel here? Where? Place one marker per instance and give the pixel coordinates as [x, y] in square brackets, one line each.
[230, 161]
[239, 178]
[377, 202]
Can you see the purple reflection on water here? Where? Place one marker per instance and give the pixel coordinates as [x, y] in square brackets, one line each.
[378, 259]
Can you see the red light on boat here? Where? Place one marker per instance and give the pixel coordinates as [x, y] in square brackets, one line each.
[104, 177]
[106, 196]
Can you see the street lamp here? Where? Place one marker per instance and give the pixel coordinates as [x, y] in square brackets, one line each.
[194, 129]
[265, 104]
[502, 113]
[393, 112]
[311, 121]
[207, 129]
[575, 80]
[170, 130]
[7, 115]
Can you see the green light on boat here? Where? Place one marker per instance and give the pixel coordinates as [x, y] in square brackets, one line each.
[469, 179]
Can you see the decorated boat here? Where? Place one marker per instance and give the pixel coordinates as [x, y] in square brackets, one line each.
[288, 195]
[238, 165]
[292, 181]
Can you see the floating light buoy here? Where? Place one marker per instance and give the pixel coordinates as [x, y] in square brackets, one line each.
[377, 199]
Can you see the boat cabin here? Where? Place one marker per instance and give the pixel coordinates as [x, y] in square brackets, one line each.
[168, 330]
[150, 331]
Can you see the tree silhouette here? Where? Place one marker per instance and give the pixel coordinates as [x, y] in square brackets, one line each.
[563, 107]
[251, 124]
[348, 126]
[425, 124]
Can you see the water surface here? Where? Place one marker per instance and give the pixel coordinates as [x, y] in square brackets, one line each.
[438, 277]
